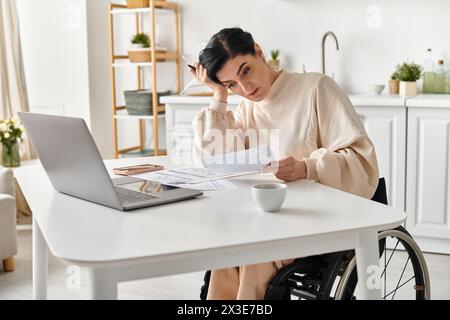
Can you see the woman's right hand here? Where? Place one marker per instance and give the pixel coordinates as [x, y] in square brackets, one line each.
[201, 74]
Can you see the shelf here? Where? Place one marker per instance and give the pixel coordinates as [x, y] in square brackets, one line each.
[171, 56]
[125, 116]
[122, 114]
[129, 64]
[159, 5]
[160, 55]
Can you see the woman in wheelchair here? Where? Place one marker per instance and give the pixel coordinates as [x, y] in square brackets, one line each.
[320, 138]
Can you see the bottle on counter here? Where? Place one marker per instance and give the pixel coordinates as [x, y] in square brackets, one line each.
[428, 73]
[439, 78]
[447, 81]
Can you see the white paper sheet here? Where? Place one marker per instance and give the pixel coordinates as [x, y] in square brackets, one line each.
[250, 160]
[219, 168]
[197, 178]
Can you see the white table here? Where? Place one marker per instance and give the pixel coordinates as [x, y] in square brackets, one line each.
[221, 229]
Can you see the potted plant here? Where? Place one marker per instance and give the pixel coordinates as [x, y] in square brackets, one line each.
[394, 83]
[408, 74]
[10, 134]
[140, 49]
[274, 63]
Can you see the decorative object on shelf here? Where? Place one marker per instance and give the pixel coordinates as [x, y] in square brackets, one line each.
[408, 74]
[139, 102]
[274, 62]
[140, 50]
[135, 4]
[394, 83]
[376, 89]
[10, 135]
[428, 72]
[439, 78]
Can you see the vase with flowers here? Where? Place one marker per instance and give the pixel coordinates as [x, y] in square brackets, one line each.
[10, 134]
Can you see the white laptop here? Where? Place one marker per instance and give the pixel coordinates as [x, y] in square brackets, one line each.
[73, 163]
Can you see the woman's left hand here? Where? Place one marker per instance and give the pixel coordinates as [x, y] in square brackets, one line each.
[291, 169]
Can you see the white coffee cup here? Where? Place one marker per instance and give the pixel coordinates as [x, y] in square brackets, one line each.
[269, 196]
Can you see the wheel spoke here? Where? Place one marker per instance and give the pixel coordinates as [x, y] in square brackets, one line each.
[398, 287]
[348, 289]
[385, 269]
[390, 257]
[401, 276]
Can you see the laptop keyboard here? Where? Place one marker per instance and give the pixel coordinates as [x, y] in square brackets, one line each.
[130, 196]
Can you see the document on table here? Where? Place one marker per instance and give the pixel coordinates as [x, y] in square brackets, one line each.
[197, 178]
[218, 169]
[244, 161]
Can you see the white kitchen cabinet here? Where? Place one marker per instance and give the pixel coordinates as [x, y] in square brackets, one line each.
[428, 177]
[386, 127]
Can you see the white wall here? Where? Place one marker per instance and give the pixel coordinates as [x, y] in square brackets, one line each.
[54, 45]
[65, 47]
[368, 53]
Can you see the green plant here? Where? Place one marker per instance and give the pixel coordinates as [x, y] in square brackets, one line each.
[275, 54]
[395, 76]
[10, 132]
[141, 39]
[408, 71]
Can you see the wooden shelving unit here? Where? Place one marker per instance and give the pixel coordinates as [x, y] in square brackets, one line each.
[118, 61]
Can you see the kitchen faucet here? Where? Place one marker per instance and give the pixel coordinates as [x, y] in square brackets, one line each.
[324, 39]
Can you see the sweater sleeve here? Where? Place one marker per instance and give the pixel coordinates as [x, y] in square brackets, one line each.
[217, 131]
[346, 157]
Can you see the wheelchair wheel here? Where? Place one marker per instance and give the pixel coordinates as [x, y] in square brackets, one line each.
[410, 282]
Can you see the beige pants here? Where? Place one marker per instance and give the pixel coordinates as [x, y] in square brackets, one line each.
[243, 283]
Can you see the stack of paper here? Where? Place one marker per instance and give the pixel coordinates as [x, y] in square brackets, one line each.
[218, 169]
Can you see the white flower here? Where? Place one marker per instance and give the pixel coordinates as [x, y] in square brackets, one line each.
[3, 127]
[7, 135]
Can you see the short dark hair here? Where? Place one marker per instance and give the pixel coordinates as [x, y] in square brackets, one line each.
[225, 45]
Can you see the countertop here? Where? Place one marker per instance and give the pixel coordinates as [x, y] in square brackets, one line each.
[421, 100]
[429, 100]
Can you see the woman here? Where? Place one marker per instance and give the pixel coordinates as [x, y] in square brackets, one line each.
[321, 136]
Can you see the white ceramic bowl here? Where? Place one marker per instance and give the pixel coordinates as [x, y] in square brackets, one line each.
[269, 197]
[376, 88]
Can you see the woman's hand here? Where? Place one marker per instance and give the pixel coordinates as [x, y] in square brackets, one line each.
[201, 74]
[290, 169]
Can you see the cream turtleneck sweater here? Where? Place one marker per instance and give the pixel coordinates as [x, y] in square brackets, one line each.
[306, 116]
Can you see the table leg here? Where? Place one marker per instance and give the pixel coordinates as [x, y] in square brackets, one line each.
[40, 263]
[368, 265]
[103, 284]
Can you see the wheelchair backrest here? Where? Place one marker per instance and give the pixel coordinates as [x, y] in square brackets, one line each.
[381, 194]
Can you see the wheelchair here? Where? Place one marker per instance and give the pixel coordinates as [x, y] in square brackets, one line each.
[333, 276]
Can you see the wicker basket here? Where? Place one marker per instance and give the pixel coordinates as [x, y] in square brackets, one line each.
[137, 56]
[133, 4]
